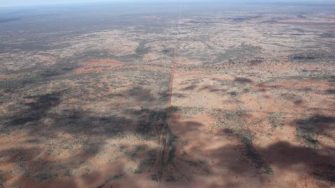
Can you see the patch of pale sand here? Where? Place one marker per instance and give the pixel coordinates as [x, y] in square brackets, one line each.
[11, 171]
[150, 57]
[97, 65]
[8, 168]
[312, 96]
[291, 178]
[13, 139]
[186, 61]
[319, 103]
[265, 104]
[202, 99]
[200, 94]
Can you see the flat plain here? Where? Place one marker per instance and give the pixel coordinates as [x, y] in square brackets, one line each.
[168, 95]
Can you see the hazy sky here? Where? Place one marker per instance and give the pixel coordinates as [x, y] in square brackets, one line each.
[42, 2]
[48, 2]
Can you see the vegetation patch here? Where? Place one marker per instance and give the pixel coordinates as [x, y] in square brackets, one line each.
[276, 119]
[242, 52]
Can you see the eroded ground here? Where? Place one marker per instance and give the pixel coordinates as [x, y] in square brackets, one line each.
[213, 99]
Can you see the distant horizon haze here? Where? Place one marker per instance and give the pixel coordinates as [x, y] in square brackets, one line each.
[20, 3]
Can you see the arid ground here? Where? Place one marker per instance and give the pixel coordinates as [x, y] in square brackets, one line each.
[168, 96]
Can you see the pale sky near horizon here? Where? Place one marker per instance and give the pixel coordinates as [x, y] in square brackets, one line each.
[4, 3]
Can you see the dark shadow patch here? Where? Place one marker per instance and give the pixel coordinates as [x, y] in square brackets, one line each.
[40, 75]
[296, 99]
[36, 110]
[330, 91]
[311, 56]
[191, 87]
[169, 52]
[239, 19]
[178, 95]
[140, 93]
[284, 155]
[328, 35]
[308, 128]
[233, 93]
[256, 61]
[150, 121]
[141, 49]
[331, 79]
[85, 123]
[302, 57]
[316, 120]
[325, 172]
[213, 89]
[243, 80]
